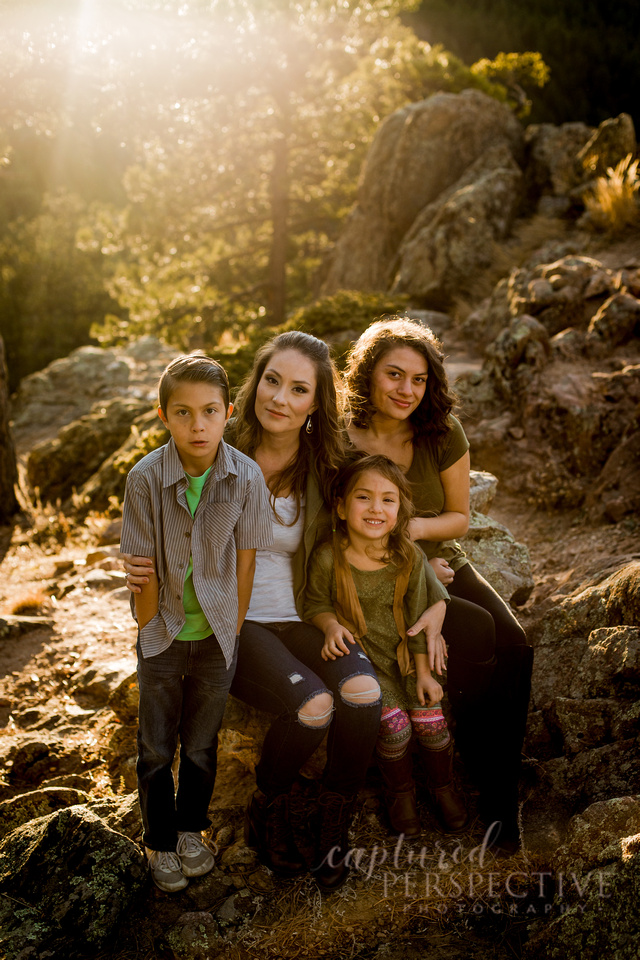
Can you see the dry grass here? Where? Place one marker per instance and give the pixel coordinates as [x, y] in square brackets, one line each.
[32, 604]
[612, 205]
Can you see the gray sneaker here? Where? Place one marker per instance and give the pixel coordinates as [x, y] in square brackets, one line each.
[166, 870]
[194, 854]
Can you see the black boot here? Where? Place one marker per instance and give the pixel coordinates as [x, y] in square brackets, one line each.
[468, 684]
[335, 812]
[506, 718]
[267, 829]
[400, 794]
[448, 801]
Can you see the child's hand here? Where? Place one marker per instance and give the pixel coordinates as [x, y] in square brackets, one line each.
[428, 689]
[138, 570]
[335, 637]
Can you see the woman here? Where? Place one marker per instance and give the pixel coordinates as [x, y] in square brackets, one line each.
[288, 421]
[400, 404]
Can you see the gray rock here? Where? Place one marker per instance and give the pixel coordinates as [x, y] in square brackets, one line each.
[603, 922]
[55, 467]
[499, 558]
[98, 682]
[38, 803]
[552, 152]
[614, 139]
[195, 936]
[591, 832]
[419, 152]
[583, 724]
[483, 489]
[74, 878]
[452, 239]
[616, 322]
[610, 665]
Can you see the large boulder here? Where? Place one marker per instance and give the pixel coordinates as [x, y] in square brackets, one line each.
[596, 912]
[452, 240]
[69, 388]
[73, 879]
[499, 558]
[587, 644]
[552, 151]
[55, 467]
[419, 152]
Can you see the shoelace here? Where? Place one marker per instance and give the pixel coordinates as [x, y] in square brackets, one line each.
[165, 860]
[190, 844]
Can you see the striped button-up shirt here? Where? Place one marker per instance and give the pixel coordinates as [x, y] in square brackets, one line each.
[233, 514]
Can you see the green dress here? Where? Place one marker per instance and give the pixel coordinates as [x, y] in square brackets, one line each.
[375, 589]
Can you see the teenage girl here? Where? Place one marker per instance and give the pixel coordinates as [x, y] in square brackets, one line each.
[366, 587]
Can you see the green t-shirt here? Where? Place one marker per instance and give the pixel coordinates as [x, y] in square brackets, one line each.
[429, 460]
[197, 626]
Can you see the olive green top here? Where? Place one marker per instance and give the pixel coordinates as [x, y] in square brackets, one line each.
[429, 460]
[375, 589]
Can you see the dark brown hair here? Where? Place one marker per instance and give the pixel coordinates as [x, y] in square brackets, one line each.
[322, 448]
[398, 546]
[192, 368]
[431, 418]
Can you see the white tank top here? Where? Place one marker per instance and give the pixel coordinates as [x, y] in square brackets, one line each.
[272, 598]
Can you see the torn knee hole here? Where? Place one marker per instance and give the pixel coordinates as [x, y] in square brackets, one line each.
[360, 690]
[317, 711]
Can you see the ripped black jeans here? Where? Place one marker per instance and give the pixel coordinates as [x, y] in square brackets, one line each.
[279, 670]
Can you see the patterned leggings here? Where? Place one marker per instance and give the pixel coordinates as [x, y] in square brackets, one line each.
[397, 726]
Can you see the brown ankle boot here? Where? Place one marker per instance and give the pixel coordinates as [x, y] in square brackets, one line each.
[400, 794]
[449, 802]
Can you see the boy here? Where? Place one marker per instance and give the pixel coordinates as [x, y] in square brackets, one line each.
[200, 509]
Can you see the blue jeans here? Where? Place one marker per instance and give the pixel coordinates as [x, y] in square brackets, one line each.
[279, 669]
[183, 692]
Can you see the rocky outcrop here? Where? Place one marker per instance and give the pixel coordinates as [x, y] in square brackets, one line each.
[70, 388]
[420, 154]
[452, 239]
[586, 698]
[73, 878]
[595, 906]
[557, 401]
[56, 467]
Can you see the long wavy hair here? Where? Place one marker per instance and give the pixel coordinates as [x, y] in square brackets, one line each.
[430, 420]
[398, 548]
[321, 450]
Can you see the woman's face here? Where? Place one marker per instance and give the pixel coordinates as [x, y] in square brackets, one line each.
[286, 393]
[398, 383]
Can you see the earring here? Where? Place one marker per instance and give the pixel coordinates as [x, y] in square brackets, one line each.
[309, 424]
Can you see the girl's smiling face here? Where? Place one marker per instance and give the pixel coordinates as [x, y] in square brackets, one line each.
[398, 383]
[370, 507]
[286, 393]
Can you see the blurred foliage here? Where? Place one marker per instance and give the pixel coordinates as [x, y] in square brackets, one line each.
[515, 72]
[50, 289]
[592, 48]
[183, 169]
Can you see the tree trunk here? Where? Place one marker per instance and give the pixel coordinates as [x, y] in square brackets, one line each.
[279, 214]
[8, 471]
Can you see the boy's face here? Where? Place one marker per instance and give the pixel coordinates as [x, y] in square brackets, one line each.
[196, 416]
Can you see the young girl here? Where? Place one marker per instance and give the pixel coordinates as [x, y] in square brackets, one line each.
[366, 587]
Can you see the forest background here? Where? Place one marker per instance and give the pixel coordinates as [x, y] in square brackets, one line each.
[184, 168]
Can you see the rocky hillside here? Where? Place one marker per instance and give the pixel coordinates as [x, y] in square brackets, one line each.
[547, 365]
